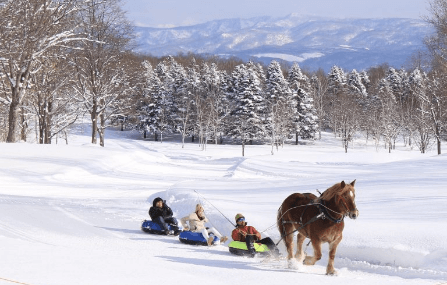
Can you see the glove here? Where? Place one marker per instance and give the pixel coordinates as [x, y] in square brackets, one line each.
[186, 229]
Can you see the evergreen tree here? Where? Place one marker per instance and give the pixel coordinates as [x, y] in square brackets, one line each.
[305, 117]
[248, 105]
[355, 84]
[279, 105]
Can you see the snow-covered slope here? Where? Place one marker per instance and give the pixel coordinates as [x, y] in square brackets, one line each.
[312, 41]
[70, 214]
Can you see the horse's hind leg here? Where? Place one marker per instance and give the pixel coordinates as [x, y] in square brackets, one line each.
[310, 260]
[288, 240]
[300, 251]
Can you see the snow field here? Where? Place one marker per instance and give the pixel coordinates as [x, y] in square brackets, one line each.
[71, 214]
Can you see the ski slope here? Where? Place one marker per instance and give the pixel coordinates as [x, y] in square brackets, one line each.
[71, 214]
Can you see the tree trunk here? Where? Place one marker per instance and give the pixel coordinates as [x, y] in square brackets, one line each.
[296, 138]
[48, 123]
[24, 126]
[144, 134]
[13, 119]
[102, 129]
[156, 136]
[41, 129]
[94, 118]
[192, 138]
[243, 148]
[438, 139]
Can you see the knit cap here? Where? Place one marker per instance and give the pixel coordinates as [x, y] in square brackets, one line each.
[238, 216]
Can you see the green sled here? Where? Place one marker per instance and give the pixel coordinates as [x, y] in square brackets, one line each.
[240, 248]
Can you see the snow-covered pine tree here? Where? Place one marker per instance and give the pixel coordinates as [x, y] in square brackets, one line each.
[356, 86]
[395, 81]
[279, 105]
[145, 107]
[336, 80]
[159, 112]
[246, 116]
[194, 90]
[305, 117]
[336, 88]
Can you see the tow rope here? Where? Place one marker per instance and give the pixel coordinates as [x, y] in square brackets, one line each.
[12, 281]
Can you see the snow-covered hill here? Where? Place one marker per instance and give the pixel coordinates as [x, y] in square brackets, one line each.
[312, 41]
[71, 214]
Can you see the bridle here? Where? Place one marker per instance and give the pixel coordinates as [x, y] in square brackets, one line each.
[346, 205]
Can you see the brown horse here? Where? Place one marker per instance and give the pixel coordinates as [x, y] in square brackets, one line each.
[319, 219]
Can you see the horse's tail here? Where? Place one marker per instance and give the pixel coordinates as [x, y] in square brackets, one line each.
[279, 221]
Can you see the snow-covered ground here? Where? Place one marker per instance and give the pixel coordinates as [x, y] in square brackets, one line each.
[71, 214]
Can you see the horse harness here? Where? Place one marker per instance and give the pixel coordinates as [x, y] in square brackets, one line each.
[323, 214]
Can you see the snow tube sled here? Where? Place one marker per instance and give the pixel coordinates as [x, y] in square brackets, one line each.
[154, 228]
[194, 238]
[240, 248]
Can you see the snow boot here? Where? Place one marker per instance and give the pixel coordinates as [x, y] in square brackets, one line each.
[223, 239]
[251, 250]
[210, 241]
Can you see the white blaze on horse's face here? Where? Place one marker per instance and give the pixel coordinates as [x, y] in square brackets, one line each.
[353, 214]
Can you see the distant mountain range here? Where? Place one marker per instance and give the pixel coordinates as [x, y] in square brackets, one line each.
[311, 41]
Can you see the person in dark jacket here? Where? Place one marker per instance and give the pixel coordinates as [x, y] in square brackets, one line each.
[249, 235]
[161, 214]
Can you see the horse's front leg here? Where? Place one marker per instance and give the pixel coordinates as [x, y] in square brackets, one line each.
[332, 250]
[310, 260]
[300, 251]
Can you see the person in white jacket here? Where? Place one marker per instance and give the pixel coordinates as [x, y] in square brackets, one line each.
[197, 220]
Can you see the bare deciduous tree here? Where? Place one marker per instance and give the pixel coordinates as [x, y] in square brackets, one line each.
[101, 78]
[30, 30]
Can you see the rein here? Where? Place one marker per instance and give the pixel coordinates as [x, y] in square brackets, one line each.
[323, 214]
[322, 209]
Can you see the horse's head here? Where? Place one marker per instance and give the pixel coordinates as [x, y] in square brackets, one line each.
[347, 198]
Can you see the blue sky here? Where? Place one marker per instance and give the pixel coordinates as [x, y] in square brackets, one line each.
[162, 13]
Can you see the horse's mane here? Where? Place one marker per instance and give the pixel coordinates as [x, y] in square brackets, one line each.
[334, 190]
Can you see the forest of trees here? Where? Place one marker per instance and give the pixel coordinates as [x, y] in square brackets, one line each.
[61, 60]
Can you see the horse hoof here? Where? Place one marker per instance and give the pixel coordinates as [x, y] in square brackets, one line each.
[293, 264]
[332, 273]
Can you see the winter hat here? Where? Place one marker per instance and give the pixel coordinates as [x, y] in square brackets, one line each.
[156, 200]
[199, 208]
[238, 216]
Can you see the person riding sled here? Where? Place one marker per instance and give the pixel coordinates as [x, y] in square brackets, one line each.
[249, 235]
[161, 214]
[196, 221]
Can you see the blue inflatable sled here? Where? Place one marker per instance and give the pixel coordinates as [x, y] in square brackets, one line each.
[154, 228]
[195, 238]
